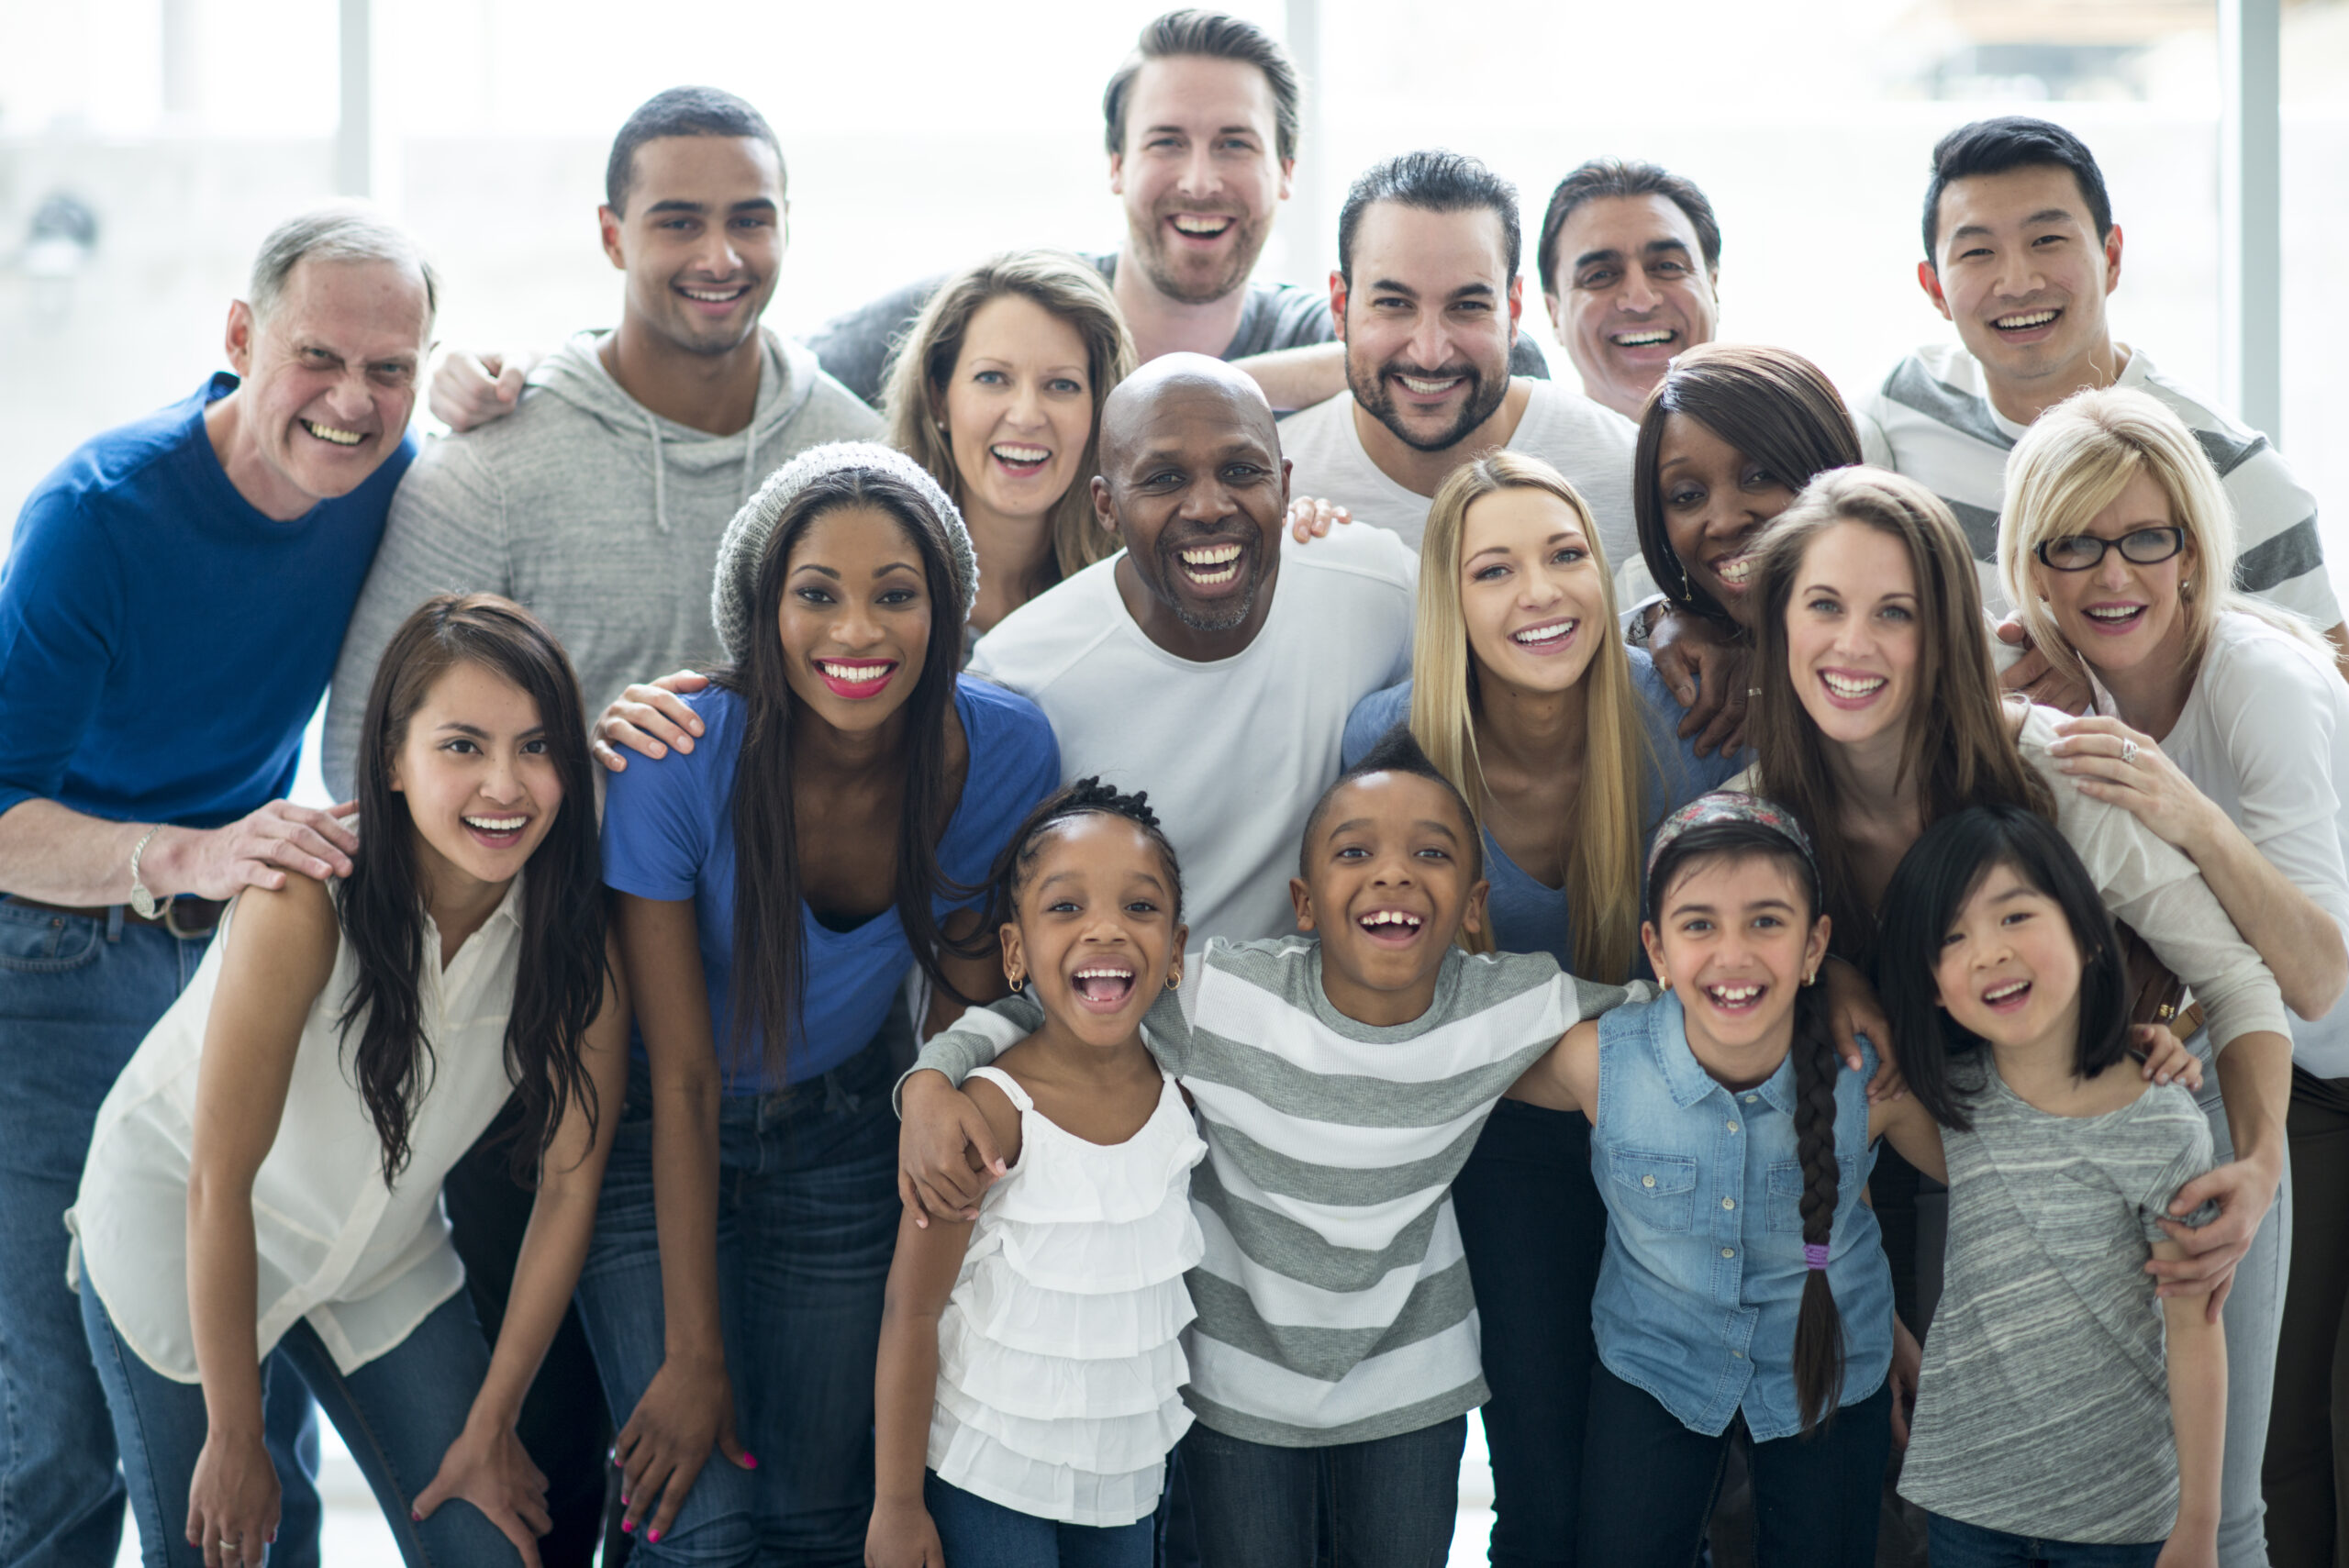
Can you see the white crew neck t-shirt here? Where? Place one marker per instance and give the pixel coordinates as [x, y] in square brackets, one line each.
[2264, 734]
[1933, 420]
[1589, 444]
[1235, 751]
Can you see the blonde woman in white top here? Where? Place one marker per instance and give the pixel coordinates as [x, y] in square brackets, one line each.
[2222, 726]
[1031, 1364]
[263, 1193]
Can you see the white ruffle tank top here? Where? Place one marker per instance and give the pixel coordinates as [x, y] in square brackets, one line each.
[1060, 1360]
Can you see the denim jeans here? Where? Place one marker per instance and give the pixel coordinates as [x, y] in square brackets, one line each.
[1534, 1229]
[2254, 1322]
[77, 994]
[1387, 1502]
[807, 1221]
[977, 1533]
[1956, 1545]
[397, 1415]
[1649, 1483]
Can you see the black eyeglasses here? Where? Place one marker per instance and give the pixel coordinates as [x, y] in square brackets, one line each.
[2079, 552]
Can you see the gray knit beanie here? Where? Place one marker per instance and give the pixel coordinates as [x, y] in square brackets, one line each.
[733, 592]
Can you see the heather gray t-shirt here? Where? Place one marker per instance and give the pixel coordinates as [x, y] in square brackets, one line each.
[2044, 1407]
[855, 347]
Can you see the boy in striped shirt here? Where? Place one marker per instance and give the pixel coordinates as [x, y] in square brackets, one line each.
[1341, 1078]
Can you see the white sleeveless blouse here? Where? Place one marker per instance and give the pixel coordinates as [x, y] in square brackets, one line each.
[363, 1263]
[1060, 1362]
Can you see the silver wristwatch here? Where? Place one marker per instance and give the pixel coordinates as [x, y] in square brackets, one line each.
[143, 902]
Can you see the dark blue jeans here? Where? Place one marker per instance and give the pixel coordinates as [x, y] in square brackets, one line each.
[77, 994]
[1534, 1228]
[807, 1221]
[1387, 1503]
[1955, 1545]
[397, 1415]
[980, 1534]
[1649, 1483]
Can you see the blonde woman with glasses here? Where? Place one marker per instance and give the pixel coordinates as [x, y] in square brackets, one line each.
[1564, 742]
[2219, 724]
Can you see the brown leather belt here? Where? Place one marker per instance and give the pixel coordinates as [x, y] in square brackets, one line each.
[181, 916]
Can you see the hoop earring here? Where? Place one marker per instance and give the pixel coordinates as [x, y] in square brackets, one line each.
[1175, 980]
[1020, 985]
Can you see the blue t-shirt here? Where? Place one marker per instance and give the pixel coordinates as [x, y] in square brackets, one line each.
[1529, 916]
[669, 834]
[163, 643]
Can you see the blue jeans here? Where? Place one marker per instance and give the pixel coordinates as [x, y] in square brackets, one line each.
[397, 1415]
[1534, 1229]
[1649, 1484]
[980, 1534]
[1955, 1545]
[1387, 1502]
[77, 994]
[807, 1221]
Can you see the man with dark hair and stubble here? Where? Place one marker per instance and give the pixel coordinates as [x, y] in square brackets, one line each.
[599, 503]
[1427, 298]
[1200, 125]
[1630, 260]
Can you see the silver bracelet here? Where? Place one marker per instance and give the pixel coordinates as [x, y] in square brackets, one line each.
[143, 902]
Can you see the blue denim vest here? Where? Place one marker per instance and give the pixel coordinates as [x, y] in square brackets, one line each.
[1703, 1276]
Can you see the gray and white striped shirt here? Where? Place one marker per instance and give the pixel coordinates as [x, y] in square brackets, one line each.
[1333, 1300]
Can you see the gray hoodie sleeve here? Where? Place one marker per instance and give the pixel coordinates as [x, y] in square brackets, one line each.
[446, 534]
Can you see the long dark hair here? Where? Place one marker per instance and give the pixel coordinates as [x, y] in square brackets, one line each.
[560, 974]
[1773, 405]
[1819, 1323]
[1958, 750]
[1940, 872]
[770, 944]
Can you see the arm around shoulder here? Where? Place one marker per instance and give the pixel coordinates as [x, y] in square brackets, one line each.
[1564, 1078]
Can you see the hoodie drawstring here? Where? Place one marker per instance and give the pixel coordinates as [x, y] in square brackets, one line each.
[660, 488]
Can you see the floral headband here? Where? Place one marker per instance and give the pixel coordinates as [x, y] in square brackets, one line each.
[1731, 805]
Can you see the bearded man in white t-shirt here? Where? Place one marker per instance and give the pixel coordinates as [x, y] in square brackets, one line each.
[2021, 253]
[1212, 663]
[1426, 299]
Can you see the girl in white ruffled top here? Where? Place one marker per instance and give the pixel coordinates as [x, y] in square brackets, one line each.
[1031, 1361]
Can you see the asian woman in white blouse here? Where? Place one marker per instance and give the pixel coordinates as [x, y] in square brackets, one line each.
[2220, 724]
[263, 1194]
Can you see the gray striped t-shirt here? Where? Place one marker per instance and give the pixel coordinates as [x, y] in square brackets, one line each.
[2044, 1407]
[1333, 1299]
[1931, 420]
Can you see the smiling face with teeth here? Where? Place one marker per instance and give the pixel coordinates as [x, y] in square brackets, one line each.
[1095, 931]
[328, 382]
[1393, 873]
[1193, 481]
[2018, 268]
[1199, 175]
[1427, 318]
[1632, 290]
[1019, 415]
[855, 618]
[481, 787]
[1716, 500]
[1531, 590]
[1852, 639]
[2120, 614]
[2009, 968]
[1734, 936]
[702, 243]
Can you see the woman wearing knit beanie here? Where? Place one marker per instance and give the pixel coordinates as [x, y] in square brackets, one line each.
[830, 830]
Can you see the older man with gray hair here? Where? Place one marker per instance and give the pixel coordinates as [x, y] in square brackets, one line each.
[169, 611]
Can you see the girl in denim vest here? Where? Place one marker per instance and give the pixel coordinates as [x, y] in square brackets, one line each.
[1744, 1279]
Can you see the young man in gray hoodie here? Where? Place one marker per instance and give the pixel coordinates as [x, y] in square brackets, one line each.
[599, 504]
